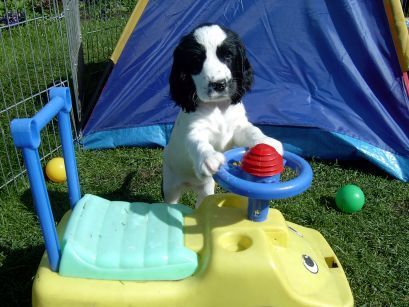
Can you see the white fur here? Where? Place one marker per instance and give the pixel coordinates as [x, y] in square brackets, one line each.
[213, 69]
[199, 138]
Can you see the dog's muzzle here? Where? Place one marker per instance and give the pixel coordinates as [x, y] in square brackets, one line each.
[218, 86]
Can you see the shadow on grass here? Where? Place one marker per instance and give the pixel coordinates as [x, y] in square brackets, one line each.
[328, 202]
[17, 273]
[60, 202]
[58, 199]
[124, 193]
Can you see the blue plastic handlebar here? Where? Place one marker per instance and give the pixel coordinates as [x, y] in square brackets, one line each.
[229, 177]
[26, 136]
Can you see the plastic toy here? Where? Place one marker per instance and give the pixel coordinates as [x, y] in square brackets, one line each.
[350, 198]
[262, 165]
[55, 170]
[113, 253]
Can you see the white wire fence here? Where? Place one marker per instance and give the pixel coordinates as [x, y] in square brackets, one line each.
[41, 46]
[33, 59]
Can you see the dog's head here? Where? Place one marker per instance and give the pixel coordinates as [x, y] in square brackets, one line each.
[209, 66]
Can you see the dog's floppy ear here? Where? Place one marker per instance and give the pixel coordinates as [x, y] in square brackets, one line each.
[243, 73]
[182, 88]
[248, 76]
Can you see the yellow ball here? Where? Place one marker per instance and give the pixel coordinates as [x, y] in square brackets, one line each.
[55, 170]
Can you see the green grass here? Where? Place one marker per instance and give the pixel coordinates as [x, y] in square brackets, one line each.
[372, 244]
[33, 58]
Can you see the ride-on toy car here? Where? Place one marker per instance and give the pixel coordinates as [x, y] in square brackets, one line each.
[232, 251]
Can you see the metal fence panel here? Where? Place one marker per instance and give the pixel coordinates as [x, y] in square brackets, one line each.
[33, 58]
[41, 46]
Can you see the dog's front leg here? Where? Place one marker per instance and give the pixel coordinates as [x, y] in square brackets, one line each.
[206, 160]
[204, 190]
[248, 136]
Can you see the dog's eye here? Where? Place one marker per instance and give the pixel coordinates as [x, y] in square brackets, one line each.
[228, 59]
[225, 55]
[197, 59]
[194, 62]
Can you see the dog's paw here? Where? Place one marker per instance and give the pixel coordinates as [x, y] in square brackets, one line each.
[209, 164]
[274, 143]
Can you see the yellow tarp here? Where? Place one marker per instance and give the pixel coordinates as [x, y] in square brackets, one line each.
[399, 30]
[130, 26]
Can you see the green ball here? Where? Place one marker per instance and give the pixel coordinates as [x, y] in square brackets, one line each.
[350, 198]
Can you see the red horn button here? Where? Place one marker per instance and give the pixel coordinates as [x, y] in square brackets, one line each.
[262, 160]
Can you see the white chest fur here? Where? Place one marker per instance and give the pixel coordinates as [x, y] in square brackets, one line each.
[221, 125]
[217, 124]
[212, 125]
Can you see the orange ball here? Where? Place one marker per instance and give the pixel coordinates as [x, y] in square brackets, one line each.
[55, 170]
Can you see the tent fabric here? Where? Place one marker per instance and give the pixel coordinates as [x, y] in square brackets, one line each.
[325, 71]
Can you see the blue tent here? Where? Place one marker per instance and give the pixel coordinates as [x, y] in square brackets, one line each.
[327, 78]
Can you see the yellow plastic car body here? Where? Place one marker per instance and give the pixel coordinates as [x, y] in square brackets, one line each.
[240, 263]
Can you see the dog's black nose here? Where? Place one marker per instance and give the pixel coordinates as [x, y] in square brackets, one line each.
[218, 86]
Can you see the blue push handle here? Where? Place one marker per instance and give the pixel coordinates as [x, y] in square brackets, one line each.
[228, 177]
[26, 135]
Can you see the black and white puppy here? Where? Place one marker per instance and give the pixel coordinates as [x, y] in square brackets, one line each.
[210, 74]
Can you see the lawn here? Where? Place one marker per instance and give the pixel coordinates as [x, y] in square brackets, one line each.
[372, 244]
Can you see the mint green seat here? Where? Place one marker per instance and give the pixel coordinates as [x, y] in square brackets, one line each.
[126, 241]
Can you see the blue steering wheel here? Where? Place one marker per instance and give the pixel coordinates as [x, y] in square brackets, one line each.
[232, 178]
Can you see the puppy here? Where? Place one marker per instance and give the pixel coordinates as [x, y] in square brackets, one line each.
[209, 76]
